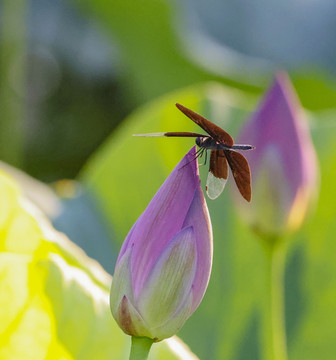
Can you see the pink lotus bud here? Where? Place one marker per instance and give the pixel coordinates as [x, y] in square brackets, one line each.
[284, 163]
[164, 265]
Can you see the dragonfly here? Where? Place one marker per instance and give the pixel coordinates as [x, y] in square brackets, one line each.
[223, 152]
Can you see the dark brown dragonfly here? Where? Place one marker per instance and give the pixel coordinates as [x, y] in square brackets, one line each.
[223, 152]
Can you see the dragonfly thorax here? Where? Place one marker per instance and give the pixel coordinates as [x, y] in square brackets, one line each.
[207, 143]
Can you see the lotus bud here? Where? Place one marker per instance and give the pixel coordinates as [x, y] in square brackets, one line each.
[284, 163]
[164, 265]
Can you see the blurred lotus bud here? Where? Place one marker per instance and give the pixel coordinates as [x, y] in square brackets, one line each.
[164, 265]
[284, 163]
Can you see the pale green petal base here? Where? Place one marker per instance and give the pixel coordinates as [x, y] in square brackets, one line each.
[130, 321]
[121, 283]
[168, 288]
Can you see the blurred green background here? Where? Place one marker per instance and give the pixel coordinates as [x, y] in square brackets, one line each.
[78, 78]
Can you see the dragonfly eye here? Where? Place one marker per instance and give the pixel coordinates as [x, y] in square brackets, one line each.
[199, 141]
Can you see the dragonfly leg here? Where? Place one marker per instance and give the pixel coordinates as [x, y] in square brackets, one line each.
[206, 157]
[199, 153]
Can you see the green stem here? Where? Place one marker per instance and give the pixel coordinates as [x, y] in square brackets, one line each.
[140, 348]
[273, 327]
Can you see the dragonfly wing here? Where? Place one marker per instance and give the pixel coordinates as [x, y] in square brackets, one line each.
[171, 134]
[241, 173]
[218, 174]
[213, 130]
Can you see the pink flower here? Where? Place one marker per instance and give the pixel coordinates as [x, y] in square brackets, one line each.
[164, 265]
[284, 163]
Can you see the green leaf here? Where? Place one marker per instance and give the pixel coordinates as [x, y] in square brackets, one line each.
[54, 300]
[152, 54]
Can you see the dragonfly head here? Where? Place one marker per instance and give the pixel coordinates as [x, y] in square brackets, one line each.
[201, 141]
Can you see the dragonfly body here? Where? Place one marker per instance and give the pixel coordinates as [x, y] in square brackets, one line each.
[223, 152]
[208, 143]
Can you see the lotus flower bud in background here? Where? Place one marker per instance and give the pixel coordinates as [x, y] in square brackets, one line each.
[284, 163]
[164, 265]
